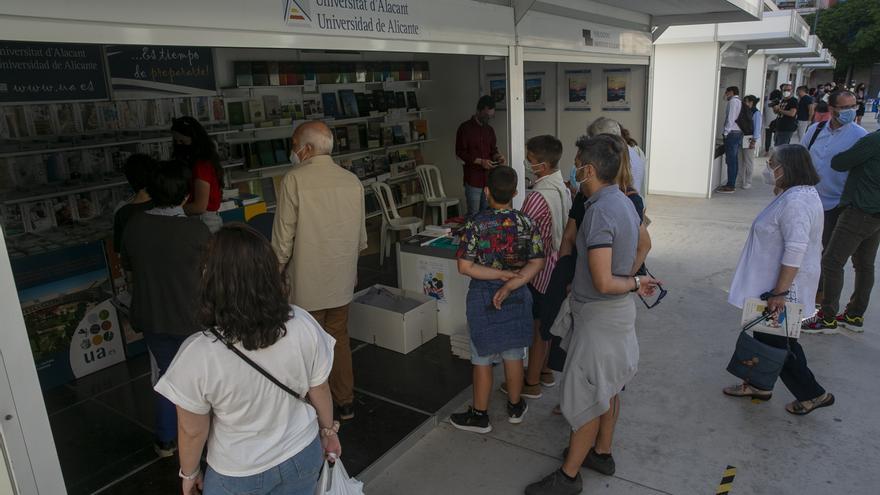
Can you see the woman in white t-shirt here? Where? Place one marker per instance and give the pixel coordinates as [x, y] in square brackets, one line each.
[261, 439]
[782, 257]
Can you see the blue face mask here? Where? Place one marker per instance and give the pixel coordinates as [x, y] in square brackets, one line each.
[572, 177]
[846, 116]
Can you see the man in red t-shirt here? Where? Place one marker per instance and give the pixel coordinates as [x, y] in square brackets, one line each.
[476, 146]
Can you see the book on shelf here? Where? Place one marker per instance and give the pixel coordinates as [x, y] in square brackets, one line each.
[166, 111]
[267, 185]
[390, 100]
[11, 219]
[235, 109]
[38, 216]
[182, 108]
[331, 109]
[4, 126]
[132, 115]
[152, 115]
[218, 109]
[85, 207]
[419, 129]
[105, 200]
[246, 199]
[358, 167]
[62, 210]
[256, 110]
[354, 137]
[260, 72]
[400, 100]
[243, 74]
[399, 136]
[274, 75]
[312, 107]
[360, 72]
[67, 119]
[327, 72]
[374, 134]
[340, 139]
[16, 121]
[349, 103]
[421, 71]
[56, 168]
[387, 135]
[298, 111]
[363, 104]
[94, 161]
[202, 108]
[281, 154]
[265, 153]
[411, 101]
[377, 101]
[40, 120]
[89, 117]
[404, 71]
[272, 107]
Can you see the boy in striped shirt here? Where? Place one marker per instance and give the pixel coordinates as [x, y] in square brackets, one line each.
[547, 205]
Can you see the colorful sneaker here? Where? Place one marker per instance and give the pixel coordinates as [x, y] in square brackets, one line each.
[528, 391]
[820, 325]
[516, 412]
[851, 323]
[471, 421]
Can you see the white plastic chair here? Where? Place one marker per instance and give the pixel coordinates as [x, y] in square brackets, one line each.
[435, 196]
[391, 219]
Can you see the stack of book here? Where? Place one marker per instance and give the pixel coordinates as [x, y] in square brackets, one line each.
[461, 345]
[288, 73]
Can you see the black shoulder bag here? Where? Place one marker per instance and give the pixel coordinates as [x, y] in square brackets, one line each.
[816, 134]
[255, 366]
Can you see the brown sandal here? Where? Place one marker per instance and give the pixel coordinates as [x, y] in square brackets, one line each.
[745, 390]
[802, 408]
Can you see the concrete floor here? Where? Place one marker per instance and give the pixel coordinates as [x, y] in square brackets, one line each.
[677, 432]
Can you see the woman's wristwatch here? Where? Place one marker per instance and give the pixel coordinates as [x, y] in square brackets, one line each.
[190, 477]
[638, 284]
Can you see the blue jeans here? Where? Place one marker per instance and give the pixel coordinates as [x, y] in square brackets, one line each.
[476, 200]
[295, 476]
[163, 348]
[732, 143]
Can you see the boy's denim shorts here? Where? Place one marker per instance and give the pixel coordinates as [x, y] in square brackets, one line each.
[517, 354]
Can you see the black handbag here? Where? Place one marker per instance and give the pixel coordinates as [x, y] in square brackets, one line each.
[755, 362]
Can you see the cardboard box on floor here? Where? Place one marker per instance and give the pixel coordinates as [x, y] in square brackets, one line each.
[400, 332]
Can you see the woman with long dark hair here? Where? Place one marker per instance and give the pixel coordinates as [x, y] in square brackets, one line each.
[860, 99]
[241, 385]
[194, 146]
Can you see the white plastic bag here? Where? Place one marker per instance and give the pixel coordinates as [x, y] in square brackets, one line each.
[334, 480]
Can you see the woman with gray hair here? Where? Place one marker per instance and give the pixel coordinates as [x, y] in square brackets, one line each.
[782, 256]
[604, 125]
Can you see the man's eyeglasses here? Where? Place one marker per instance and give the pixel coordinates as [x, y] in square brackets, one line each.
[661, 294]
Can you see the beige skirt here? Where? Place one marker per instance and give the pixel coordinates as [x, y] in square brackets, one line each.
[602, 358]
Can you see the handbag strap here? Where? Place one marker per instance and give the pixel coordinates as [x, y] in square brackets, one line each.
[816, 134]
[255, 366]
[766, 316]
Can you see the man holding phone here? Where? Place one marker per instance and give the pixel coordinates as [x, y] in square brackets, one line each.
[476, 146]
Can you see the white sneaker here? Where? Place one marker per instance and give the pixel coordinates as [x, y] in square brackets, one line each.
[746, 186]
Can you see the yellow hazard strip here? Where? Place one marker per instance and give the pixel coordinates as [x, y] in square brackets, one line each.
[726, 484]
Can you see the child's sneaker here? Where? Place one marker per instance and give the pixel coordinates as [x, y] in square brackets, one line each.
[471, 420]
[516, 412]
[820, 324]
[852, 323]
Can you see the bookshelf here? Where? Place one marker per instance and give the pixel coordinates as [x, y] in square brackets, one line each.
[68, 155]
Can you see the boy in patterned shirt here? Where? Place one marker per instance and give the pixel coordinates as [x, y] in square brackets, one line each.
[502, 251]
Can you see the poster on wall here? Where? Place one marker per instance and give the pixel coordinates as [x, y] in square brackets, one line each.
[498, 90]
[534, 88]
[617, 87]
[146, 70]
[66, 299]
[31, 72]
[579, 85]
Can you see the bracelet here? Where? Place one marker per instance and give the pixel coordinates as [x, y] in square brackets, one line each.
[638, 284]
[190, 477]
[331, 431]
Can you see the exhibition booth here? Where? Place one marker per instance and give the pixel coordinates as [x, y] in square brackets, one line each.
[714, 57]
[92, 84]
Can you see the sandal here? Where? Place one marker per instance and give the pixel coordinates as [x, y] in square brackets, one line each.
[745, 390]
[801, 408]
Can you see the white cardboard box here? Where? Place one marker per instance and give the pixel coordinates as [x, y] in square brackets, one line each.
[401, 332]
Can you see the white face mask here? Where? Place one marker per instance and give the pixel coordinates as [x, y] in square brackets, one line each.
[786, 94]
[769, 176]
[294, 158]
[585, 179]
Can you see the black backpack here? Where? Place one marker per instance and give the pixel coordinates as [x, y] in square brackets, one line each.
[744, 120]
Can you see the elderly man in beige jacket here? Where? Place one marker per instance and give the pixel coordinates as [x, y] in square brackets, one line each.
[318, 234]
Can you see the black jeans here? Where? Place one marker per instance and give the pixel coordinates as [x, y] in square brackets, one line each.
[768, 139]
[796, 376]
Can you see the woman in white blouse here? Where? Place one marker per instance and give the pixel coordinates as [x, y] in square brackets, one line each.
[783, 255]
[261, 437]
